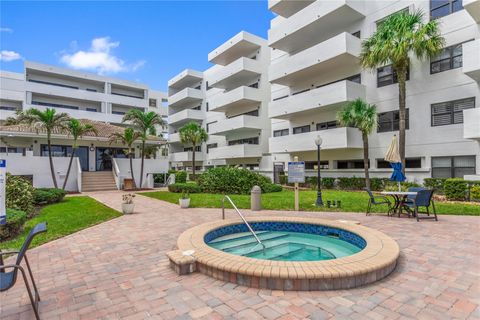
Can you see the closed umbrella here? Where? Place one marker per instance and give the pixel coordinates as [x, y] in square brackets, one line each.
[393, 156]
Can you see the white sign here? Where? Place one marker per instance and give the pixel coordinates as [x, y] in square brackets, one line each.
[296, 172]
[3, 181]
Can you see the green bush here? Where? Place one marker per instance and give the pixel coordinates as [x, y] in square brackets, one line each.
[456, 189]
[404, 186]
[184, 187]
[19, 194]
[475, 193]
[181, 177]
[43, 196]
[232, 180]
[328, 183]
[14, 226]
[353, 183]
[272, 187]
[435, 183]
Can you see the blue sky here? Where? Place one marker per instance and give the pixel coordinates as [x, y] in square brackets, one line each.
[148, 41]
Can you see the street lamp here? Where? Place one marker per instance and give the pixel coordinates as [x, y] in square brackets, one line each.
[319, 203]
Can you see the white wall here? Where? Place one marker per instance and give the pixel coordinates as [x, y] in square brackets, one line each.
[159, 165]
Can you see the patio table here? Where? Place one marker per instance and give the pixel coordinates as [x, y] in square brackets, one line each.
[399, 197]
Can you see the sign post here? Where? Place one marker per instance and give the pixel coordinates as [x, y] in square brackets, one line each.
[296, 175]
[3, 182]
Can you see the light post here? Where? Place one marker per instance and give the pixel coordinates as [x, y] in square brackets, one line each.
[319, 203]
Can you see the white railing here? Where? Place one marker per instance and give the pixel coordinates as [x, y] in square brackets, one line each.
[79, 175]
[116, 173]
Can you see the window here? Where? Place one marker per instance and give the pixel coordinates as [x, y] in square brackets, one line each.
[91, 90]
[120, 113]
[8, 108]
[152, 103]
[92, 109]
[12, 150]
[356, 34]
[387, 75]
[452, 167]
[253, 140]
[390, 121]
[355, 78]
[211, 146]
[206, 106]
[327, 125]
[197, 107]
[208, 125]
[197, 149]
[350, 164]
[409, 163]
[53, 84]
[450, 58]
[54, 105]
[249, 113]
[301, 129]
[442, 8]
[279, 133]
[450, 112]
[312, 165]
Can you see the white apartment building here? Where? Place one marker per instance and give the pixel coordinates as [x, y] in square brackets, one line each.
[230, 100]
[91, 98]
[315, 70]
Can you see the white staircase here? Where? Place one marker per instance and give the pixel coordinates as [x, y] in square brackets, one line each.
[98, 181]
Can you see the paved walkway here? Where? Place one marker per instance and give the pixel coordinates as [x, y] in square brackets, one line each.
[118, 270]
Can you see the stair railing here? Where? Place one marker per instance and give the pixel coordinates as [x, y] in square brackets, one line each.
[116, 173]
[79, 175]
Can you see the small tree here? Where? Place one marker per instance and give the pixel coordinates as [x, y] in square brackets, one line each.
[398, 37]
[363, 116]
[145, 123]
[49, 121]
[76, 129]
[193, 134]
[127, 138]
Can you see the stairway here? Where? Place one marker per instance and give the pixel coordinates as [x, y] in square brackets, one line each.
[98, 181]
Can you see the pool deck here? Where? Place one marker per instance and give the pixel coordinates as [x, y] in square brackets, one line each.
[119, 270]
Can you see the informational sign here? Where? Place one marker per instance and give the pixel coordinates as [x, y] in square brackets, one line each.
[296, 172]
[3, 182]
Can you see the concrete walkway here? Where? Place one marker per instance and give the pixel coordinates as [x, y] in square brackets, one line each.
[118, 270]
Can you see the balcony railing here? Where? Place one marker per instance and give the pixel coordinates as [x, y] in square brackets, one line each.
[471, 123]
[235, 152]
[286, 8]
[238, 99]
[242, 71]
[185, 156]
[186, 78]
[241, 45]
[471, 59]
[187, 97]
[186, 116]
[236, 125]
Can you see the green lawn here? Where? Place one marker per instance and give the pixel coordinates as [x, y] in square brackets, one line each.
[64, 218]
[352, 201]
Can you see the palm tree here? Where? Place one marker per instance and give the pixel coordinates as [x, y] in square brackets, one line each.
[49, 121]
[144, 123]
[397, 38]
[363, 116]
[192, 133]
[127, 138]
[76, 129]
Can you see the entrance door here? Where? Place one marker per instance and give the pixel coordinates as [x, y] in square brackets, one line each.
[278, 170]
[66, 151]
[104, 157]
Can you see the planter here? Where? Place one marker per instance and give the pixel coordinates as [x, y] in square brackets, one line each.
[184, 203]
[127, 208]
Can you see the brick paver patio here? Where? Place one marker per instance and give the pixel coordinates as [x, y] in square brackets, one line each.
[118, 270]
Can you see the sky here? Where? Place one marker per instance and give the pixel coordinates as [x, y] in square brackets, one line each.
[148, 42]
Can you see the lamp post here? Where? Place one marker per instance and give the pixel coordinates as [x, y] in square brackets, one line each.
[319, 203]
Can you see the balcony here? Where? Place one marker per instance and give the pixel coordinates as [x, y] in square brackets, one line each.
[187, 78]
[473, 8]
[236, 125]
[174, 138]
[316, 23]
[238, 100]
[235, 152]
[309, 102]
[338, 53]
[471, 59]
[73, 93]
[471, 124]
[286, 8]
[338, 138]
[188, 97]
[83, 114]
[240, 72]
[185, 156]
[241, 45]
[185, 116]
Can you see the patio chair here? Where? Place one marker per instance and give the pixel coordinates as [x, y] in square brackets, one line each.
[423, 199]
[411, 198]
[8, 279]
[377, 200]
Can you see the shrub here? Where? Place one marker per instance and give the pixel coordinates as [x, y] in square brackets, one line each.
[272, 187]
[15, 221]
[475, 193]
[184, 187]
[353, 183]
[181, 177]
[19, 194]
[43, 196]
[456, 189]
[328, 183]
[232, 180]
[435, 183]
[404, 186]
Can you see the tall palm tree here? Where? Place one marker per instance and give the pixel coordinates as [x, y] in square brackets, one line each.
[145, 123]
[127, 138]
[363, 116]
[399, 37]
[48, 121]
[193, 134]
[76, 129]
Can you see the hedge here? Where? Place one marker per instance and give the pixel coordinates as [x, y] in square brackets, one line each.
[44, 196]
[475, 193]
[184, 187]
[181, 177]
[456, 189]
[14, 226]
[19, 194]
[438, 184]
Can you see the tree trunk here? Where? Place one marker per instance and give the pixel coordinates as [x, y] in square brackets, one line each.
[193, 162]
[69, 167]
[52, 169]
[141, 166]
[130, 155]
[365, 159]
[402, 78]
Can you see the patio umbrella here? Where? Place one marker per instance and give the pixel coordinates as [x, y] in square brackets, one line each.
[393, 156]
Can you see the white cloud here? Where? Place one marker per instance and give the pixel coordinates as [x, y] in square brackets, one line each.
[8, 30]
[99, 58]
[8, 56]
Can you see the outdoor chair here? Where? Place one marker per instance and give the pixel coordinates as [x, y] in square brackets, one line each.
[377, 200]
[423, 199]
[8, 279]
[411, 198]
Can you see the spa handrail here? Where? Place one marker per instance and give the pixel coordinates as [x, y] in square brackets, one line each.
[241, 216]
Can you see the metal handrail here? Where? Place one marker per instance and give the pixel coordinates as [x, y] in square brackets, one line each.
[241, 216]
